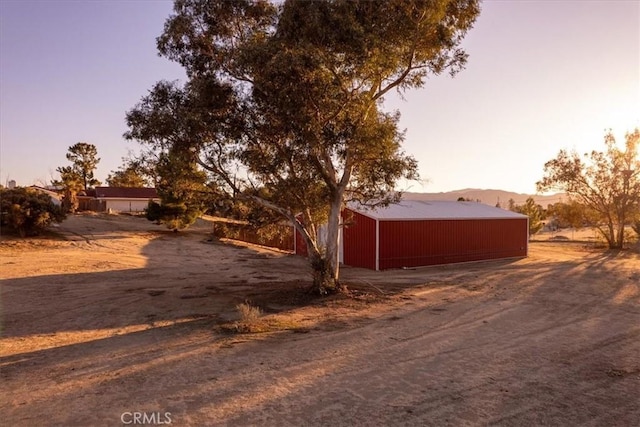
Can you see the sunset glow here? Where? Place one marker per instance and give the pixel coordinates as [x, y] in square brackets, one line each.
[541, 76]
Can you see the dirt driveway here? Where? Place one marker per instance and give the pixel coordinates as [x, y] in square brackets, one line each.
[123, 320]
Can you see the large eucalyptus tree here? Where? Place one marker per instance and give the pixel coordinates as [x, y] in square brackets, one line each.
[284, 101]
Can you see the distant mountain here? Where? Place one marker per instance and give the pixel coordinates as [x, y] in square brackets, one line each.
[488, 197]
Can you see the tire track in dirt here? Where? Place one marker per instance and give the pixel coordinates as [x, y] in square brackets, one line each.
[511, 379]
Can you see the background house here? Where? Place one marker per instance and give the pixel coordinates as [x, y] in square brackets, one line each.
[125, 199]
[56, 197]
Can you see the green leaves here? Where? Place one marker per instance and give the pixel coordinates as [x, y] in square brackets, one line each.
[290, 93]
[534, 212]
[175, 216]
[78, 176]
[85, 159]
[182, 188]
[129, 175]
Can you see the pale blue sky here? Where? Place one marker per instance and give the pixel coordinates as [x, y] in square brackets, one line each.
[541, 76]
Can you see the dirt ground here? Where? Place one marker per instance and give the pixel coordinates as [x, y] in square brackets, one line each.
[120, 319]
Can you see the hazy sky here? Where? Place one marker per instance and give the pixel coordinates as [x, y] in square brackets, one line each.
[541, 76]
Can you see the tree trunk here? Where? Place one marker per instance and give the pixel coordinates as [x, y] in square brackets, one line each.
[324, 260]
[324, 272]
[620, 237]
[323, 282]
[610, 236]
[332, 244]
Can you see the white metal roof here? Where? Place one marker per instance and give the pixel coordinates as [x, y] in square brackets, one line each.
[418, 209]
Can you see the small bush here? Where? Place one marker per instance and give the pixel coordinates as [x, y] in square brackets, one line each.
[249, 319]
[252, 321]
[27, 211]
[175, 216]
[248, 313]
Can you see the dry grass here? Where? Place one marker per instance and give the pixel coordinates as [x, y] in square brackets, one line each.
[248, 313]
[253, 321]
[249, 319]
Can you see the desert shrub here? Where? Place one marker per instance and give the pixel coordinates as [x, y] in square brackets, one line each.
[175, 216]
[27, 211]
[249, 319]
[248, 313]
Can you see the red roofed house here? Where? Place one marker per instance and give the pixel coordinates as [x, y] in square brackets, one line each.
[126, 199]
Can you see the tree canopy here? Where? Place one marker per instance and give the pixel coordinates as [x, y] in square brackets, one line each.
[131, 174]
[283, 106]
[533, 211]
[78, 176]
[182, 190]
[85, 159]
[607, 182]
[571, 214]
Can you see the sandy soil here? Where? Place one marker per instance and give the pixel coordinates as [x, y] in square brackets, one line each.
[123, 317]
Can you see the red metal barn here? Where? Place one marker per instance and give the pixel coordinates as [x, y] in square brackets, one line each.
[419, 233]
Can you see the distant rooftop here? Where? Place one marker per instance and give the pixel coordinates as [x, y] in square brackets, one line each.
[126, 192]
[419, 209]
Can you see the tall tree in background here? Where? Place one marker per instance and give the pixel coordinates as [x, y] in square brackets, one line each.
[534, 212]
[131, 174]
[85, 160]
[182, 189]
[283, 103]
[78, 176]
[571, 214]
[607, 182]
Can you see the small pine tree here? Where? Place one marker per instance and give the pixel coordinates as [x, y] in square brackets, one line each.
[175, 215]
[534, 212]
[85, 159]
[182, 189]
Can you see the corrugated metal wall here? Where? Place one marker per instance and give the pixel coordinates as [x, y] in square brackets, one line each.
[431, 242]
[359, 234]
[300, 247]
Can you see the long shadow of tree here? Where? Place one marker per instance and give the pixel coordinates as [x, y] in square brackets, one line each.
[168, 357]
